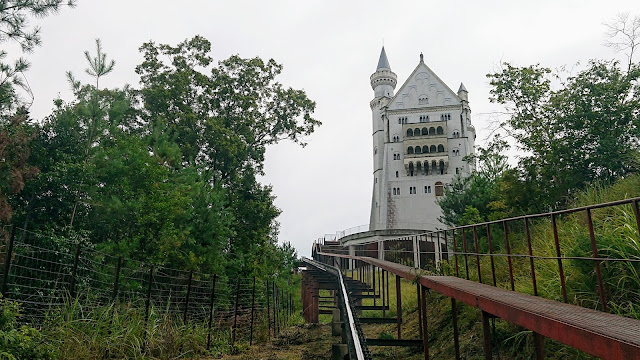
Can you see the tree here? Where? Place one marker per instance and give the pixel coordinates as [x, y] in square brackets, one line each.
[623, 34]
[15, 130]
[220, 123]
[585, 131]
[477, 196]
[14, 26]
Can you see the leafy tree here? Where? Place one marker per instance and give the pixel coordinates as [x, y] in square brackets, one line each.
[15, 135]
[477, 196]
[586, 130]
[219, 120]
[15, 129]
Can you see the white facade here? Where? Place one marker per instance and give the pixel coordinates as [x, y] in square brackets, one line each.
[420, 136]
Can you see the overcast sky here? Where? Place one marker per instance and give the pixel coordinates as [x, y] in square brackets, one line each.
[329, 49]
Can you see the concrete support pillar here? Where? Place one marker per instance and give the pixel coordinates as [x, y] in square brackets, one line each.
[380, 250]
[336, 323]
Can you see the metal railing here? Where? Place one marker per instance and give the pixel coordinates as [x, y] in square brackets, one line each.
[606, 234]
[357, 345]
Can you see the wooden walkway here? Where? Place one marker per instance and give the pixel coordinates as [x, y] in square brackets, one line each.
[597, 333]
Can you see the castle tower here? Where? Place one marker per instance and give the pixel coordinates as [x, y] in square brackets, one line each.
[420, 135]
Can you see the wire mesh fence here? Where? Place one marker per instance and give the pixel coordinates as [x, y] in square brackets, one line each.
[47, 274]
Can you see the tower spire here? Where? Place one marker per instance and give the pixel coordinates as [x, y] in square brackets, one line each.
[383, 62]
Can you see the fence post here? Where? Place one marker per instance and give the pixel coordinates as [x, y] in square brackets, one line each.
[146, 308]
[186, 302]
[235, 313]
[213, 297]
[74, 271]
[268, 312]
[399, 306]
[7, 262]
[253, 306]
[116, 282]
[275, 314]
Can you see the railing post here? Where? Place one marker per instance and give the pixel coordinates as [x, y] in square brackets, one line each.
[508, 247]
[253, 306]
[475, 240]
[454, 319]
[455, 252]
[594, 249]
[420, 313]
[425, 333]
[235, 314]
[486, 335]
[559, 255]
[493, 267]
[116, 281]
[531, 260]
[74, 271]
[211, 305]
[399, 306]
[186, 302]
[384, 302]
[466, 256]
[7, 262]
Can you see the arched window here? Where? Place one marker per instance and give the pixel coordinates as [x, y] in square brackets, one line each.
[419, 167]
[410, 169]
[394, 191]
[375, 150]
[440, 130]
[432, 149]
[409, 132]
[426, 168]
[397, 174]
[425, 149]
[440, 148]
[416, 132]
[418, 150]
[441, 167]
[456, 133]
[396, 138]
[434, 168]
[425, 131]
[439, 189]
[409, 150]
[432, 131]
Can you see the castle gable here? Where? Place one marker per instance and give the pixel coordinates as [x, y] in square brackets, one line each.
[423, 89]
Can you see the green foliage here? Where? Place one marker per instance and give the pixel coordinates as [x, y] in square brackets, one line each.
[167, 173]
[19, 342]
[14, 26]
[584, 131]
[477, 197]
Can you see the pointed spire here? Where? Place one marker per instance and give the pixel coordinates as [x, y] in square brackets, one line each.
[462, 88]
[383, 63]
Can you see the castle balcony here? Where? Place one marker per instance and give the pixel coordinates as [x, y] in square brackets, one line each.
[425, 130]
[426, 164]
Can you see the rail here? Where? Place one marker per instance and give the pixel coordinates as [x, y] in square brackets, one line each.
[356, 344]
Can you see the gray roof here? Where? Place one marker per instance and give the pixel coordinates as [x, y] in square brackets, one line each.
[383, 63]
[462, 88]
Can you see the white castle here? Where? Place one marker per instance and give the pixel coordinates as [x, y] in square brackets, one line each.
[420, 136]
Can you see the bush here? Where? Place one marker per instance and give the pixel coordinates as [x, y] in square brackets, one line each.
[19, 342]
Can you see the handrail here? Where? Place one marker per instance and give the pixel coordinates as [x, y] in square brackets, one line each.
[350, 320]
